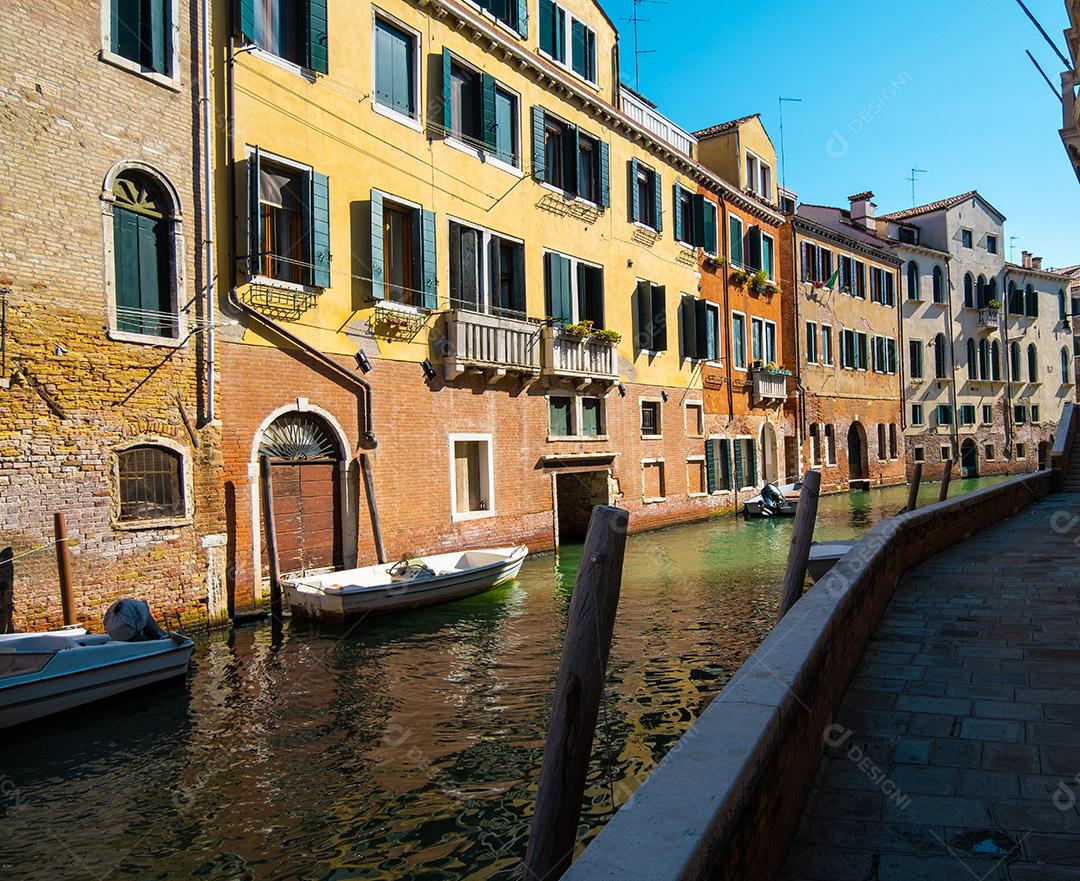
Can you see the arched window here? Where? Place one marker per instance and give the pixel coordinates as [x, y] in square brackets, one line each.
[991, 294]
[995, 361]
[940, 370]
[972, 364]
[1033, 363]
[1031, 302]
[969, 291]
[151, 483]
[980, 292]
[815, 444]
[830, 445]
[1016, 299]
[1062, 311]
[1065, 372]
[939, 285]
[913, 280]
[984, 359]
[143, 275]
[1014, 362]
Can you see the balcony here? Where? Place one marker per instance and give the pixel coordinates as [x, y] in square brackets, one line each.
[492, 345]
[644, 113]
[583, 361]
[989, 319]
[769, 387]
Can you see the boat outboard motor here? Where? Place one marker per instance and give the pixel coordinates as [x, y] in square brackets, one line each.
[131, 621]
[772, 500]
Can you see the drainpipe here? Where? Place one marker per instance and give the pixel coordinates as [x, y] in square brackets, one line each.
[954, 433]
[800, 392]
[726, 235]
[1006, 417]
[900, 351]
[208, 202]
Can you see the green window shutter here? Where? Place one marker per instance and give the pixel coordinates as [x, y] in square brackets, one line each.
[114, 26]
[247, 19]
[605, 175]
[658, 195]
[560, 34]
[570, 159]
[644, 312]
[160, 26]
[751, 471]
[320, 230]
[659, 312]
[578, 49]
[725, 464]
[521, 20]
[557, 288]
[591, 286]
[505, 128]
[688, 337]
[487, 109]
[547, 26]
[559, 416]
[517, 299]
[378, 284]
[753, 247]
[318, 52]
[706, 330]
[698, 205]
[447, 111]
[152, 260]
[710, 466]
[590, 52]
[428, 258]
[635, 205]
[126, 263]
[255, 247]
[735, 240]
[676, 207]
[539, 168]
[740, 477]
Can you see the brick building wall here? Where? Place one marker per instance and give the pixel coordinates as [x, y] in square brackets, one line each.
[71, 395]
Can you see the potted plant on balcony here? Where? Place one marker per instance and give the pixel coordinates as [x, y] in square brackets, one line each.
[757, 364]
[610, 337]
[993, 305]
[713, 261]
[580, 331]
[739, 277]
[759, 282]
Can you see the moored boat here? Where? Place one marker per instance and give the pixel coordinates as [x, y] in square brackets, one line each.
[409, 584]
[824, 555]
[774, 501]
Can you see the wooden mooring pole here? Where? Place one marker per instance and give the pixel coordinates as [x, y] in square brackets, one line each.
[913, 490]
[7, 590]
[945, 478]
[267, 488]
[369, 491]
[802, 536]
[63, 567]
[578, 692]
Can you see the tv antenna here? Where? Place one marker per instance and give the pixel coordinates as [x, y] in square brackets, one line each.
[635, 20]
[915, 172]
[1012, 248]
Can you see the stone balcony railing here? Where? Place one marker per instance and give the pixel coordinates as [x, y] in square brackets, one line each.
[769, 386]
[491, 344]
[582, 361]
[989, 318]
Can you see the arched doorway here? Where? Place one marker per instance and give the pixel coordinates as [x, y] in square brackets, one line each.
[305, 467]
[969, 459]
[769, 454]
[858, 466]
[1044, 454]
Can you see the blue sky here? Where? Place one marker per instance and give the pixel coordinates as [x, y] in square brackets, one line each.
[942, 85]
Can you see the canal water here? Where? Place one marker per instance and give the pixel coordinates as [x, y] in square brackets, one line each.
[405, 747]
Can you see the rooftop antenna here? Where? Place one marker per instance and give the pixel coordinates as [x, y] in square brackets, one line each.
[1046, 36]
[1012, 248]
[635, 20]
[1038, 67]
[783, 163]
[915, 172]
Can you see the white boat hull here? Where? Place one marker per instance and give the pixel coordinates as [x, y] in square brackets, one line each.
[824, 555]
[341, 596]
[38, 695]
[755, 508]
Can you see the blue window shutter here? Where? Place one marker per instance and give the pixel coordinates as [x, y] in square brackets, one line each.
[447, 113]
[247, 19]
[378, 283]
[605, 175]
[560, 34]
[127, 27]
[539, 166]
[254, 214]
[152, 298]
[635, 206]
[710, 466]
[735, 241]
[487, 109]
[318, 53]
[428, 257]
[114, 25]
[676, 207]
[658, 195]
[521, 20]
[708, 232]
[320, 230]
[590, 55]
[160, 26]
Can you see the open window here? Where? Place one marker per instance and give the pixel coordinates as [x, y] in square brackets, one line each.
[487, 272]
[695, 220]
[294, 30]
[699, 326]
[573, 290]
[479, 112]
[472, 476]
[569, 159]
[646, 199]
[560, 29]
[140, 36]
[651, 309]
[403, 268]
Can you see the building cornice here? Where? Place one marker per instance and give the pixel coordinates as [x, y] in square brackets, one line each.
[809, 227]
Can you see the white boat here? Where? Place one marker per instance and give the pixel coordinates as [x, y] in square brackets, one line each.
[824, 555]
[756, 506]
[424, 581]
[46, 673]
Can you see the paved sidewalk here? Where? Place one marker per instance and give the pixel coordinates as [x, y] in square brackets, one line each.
[956, 752]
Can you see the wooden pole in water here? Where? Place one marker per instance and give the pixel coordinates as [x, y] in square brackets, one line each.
[802, 537]
[369, 491]
[267, 486]
[7, 590]
[578, 691]
[913, 490]
[944, 494]
[63, 566]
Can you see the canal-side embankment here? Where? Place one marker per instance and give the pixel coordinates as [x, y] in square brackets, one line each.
[725, 801]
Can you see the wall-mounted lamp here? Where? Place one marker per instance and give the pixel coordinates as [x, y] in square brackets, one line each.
[621, 388]
[429, 370]
[663, 395]
[362, 361]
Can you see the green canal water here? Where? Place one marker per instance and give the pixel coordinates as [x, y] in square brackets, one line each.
[406, 747]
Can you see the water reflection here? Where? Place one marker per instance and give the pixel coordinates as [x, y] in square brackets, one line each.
[408, 746]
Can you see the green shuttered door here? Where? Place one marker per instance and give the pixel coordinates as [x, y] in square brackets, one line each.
[378, 276]
[428, 262]
[320, 230]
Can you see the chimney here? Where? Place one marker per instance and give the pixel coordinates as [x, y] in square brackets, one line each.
[1036, 263]
[1025, 259]
[862, 210]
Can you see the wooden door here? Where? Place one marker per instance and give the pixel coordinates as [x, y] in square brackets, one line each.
[306, 515]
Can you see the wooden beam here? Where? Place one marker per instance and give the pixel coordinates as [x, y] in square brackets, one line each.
[802, 536]
[945, 478]
[187, 421]
[267, 491]
[63, 566]
[913, 490]
[7, 590]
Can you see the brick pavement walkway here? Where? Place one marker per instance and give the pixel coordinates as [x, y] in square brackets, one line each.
[956, 751]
